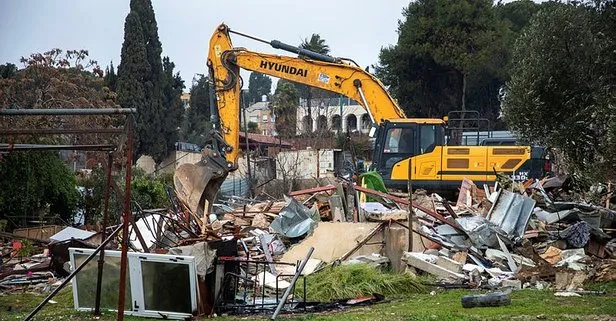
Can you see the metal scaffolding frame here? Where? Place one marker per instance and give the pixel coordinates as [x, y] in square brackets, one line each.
[126, 213]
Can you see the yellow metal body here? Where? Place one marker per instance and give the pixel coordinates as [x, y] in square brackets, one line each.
[454, 163]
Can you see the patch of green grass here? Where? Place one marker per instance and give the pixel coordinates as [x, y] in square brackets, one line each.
[609, 287]
[353, 280]
[443, 305]
[20, 305]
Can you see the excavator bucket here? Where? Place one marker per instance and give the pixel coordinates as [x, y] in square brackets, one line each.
[197, 185]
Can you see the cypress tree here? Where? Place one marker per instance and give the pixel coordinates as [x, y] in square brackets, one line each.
[150, 114]
[172, 103]
[110, 80]
[133, 66]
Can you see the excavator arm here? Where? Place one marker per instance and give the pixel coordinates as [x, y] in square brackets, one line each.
[197, 184]
[317, 70]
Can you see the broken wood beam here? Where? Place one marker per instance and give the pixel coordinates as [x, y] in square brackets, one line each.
[313, 190]
[404, 201]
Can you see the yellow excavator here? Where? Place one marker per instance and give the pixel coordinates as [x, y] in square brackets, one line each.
[400, 142]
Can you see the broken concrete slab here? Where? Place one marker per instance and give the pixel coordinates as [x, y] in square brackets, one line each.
[493, 254]
[311, 266]
[572, 252]
[332, 240]
[512, 284]
[565, 280]
[427, 264]
[460, 257]
[374, 211]
[449, 264]
[374, 259]
[472, 268]
[269, 280]
[260, 220]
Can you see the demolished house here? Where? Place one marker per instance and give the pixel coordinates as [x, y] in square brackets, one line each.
[253, 256]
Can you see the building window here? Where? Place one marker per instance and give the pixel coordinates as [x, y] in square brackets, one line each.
[321, 123]
[351, 123]
[307, 124]
[265, 118]
[336, 122]
[365, 121]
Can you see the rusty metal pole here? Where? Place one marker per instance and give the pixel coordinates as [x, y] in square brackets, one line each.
[411, 215]
[126, 218]
[101, 259]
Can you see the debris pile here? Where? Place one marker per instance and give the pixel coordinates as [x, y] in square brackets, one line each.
[518, 235]
[250, 255]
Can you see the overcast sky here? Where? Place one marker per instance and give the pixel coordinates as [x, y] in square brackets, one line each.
[353, 29]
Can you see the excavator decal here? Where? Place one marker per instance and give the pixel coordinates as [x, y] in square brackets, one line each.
[282, 68]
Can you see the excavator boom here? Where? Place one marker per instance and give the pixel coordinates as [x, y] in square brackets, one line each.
[197, 184]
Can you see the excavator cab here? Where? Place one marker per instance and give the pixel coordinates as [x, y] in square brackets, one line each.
[401, 139]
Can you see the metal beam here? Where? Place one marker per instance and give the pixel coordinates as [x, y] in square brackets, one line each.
[70, 277]
[127, 217]
[54, 131]
[68, 111]
[26, 147]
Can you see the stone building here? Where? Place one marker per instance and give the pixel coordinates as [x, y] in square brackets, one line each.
[332, 114]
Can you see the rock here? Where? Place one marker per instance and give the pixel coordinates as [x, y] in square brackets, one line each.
[512, 284]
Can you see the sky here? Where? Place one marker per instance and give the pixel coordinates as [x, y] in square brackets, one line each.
[353, 29]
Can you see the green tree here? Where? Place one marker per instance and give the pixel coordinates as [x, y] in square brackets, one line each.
[57, 79]
[8, 70]
[315, 43]
[132, 73]
[36, 186]
[149, 191]
[284, 103]
[561, 91]
[140, 78]
[110, 79]
[517, 14]
[258, 85]
[445, 50]
[253, 127]
[172, 103]
[319, 45]
[196, 125]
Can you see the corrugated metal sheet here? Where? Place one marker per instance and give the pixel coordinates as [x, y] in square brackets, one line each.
[511, 212]
[234, 186]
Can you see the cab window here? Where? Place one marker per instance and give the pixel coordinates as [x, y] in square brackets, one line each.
[399, 140]
[427, 138]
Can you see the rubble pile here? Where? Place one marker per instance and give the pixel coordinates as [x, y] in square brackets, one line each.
[25, 266]
[531, 234]
[248, 252]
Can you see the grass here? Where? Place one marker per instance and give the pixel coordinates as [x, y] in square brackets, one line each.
[21, 305]
[353, 280]
[443, 305]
